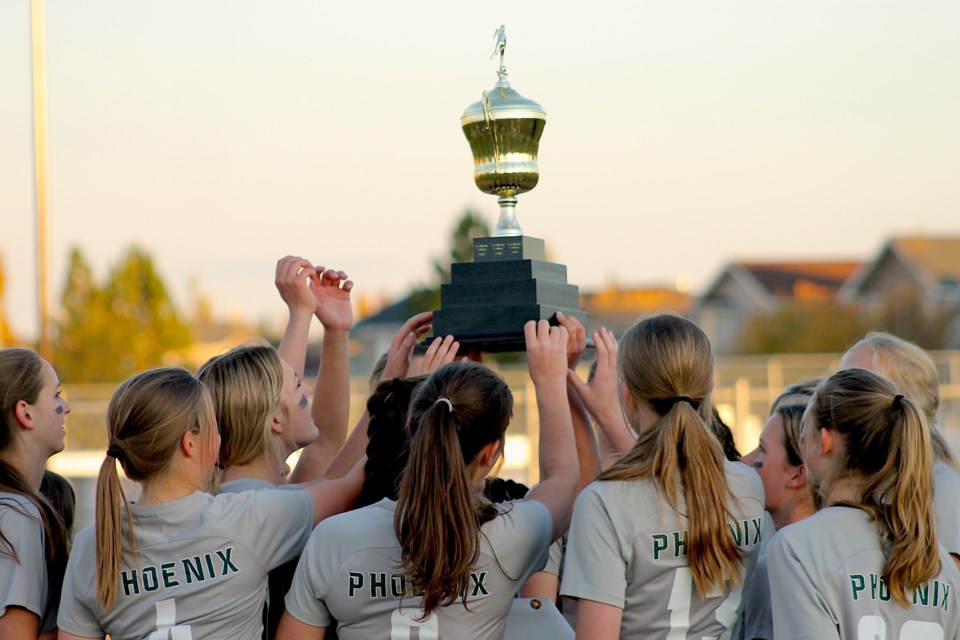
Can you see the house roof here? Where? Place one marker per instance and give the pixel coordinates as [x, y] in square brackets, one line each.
[800, 281]
[939, 257]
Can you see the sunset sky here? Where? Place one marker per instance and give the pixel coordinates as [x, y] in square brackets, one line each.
[223, 134]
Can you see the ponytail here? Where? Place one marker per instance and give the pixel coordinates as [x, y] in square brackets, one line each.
[438, 531]
[887, 445]
[109, 547]
[457, 412]
[666, 363]
[681, 452]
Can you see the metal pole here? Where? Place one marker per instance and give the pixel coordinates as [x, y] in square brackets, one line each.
[41, 166]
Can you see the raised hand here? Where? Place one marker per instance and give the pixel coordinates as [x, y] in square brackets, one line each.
[291, 279]
[576, 339]
[439, 353]
[331, 295]
[601, 395]
[546, 352]
[401, 346]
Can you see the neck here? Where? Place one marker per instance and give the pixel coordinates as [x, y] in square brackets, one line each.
[30, 467]
[793, 513]
[167, 488]
[843, 490]
[260, 468]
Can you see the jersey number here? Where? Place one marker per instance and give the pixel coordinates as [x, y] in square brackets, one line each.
[167, 627]
[679, 605]
[403, 623]
[874, 628]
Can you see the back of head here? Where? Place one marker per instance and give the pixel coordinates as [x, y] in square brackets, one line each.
[797, 393]
[913, 373]
[147, 418]
[388, 447]
[460, 409]
[245, 384]
[666, 363]
[887, 450]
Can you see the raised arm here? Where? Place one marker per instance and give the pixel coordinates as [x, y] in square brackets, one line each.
[547, 362]
[291, 279]
[585, 438]
[331, 396]
[600, 395]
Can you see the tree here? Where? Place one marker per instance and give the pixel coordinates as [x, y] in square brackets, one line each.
[826, 327]
[468, 226]
[130, 324]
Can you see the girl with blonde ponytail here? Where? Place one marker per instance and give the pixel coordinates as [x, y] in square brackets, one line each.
[868, 564]
[180, 562]
[913, 373]
[441, 562]
[659, 545]
[33, 538]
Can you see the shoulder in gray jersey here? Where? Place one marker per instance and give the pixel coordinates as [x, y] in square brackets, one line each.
[825, 582]
[628, 548]
[23, 581]
[200, 569]
[946, 505]
[351, 571]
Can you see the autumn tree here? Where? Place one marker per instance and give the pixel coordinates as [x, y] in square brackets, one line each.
[825, 327]
[129, 324]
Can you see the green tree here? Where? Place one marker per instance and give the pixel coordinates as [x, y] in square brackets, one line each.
[467, 227]
[127, 325]
[803, 328]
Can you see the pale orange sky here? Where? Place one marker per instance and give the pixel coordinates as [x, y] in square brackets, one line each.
[221, 135]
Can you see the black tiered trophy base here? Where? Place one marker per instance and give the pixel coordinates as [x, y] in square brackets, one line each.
[509, 282]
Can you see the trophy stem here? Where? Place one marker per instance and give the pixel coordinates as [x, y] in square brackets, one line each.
[507, 225]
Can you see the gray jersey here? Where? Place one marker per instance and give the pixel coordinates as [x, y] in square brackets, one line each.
[825, 582]
[350, 572]
[756, 619]
[946, 504]
[281, 577]
[23, 582]
[200, 569]
[628, 548]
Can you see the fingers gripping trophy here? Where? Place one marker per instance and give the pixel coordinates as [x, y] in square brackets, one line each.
[509, 282]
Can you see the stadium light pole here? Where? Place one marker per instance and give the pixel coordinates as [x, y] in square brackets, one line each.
[41, 167]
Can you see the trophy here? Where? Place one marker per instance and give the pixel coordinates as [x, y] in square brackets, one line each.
[509, 282]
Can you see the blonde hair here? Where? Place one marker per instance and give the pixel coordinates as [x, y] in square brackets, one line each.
[147, 418]
[912, 371]
[666, 362]
[245, 384]
[887, 446]
[461, 408]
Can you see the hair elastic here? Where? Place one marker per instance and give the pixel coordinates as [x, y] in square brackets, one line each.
[896, 401]
[447, 401]
[115, 452]
[663, 405]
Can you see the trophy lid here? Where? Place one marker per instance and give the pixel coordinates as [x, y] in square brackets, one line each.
[502, 102]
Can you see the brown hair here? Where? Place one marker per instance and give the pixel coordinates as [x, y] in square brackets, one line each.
[439, 516]
[887, 445]
[661, 359]
[21, 378]
[792, 417]
[912, 371]
[245, 384]
[797, 393]
[147, 418]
